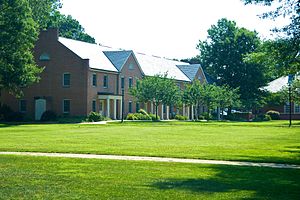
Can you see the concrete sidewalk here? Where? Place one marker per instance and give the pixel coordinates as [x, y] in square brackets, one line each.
[155, 159]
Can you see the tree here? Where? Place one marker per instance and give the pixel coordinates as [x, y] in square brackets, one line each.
[17, 37]
[191, 95]
[69, 27]
[222, 55]
[157, 89]
[288, 47]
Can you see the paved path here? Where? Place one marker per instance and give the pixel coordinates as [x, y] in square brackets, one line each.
[155, 159]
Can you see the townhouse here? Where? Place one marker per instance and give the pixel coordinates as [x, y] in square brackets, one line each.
[80, 77]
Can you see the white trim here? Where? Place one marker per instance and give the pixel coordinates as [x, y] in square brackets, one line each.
[63, 106]
[93, 79]
[63, 79]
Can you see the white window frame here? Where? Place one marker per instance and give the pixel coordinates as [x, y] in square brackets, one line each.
[63, 106]
[63, 79]
[94, 75]
[105, 86]
[130, 86]
[94, 103]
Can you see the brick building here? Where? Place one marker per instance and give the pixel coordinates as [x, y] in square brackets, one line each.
[80, 77]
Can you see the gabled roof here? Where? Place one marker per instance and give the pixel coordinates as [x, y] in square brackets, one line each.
[153, 65]
[190, 70]
[97, 59]
[209, 79]
[118, 58]
[277, 84]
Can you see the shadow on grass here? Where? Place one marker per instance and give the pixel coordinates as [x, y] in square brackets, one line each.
[263, 183]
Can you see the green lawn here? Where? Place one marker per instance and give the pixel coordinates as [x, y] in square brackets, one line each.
[65, 178]
[259, 142]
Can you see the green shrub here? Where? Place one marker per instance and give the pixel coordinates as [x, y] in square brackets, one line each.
[131, 116]
[142, 111]
[181, 117]
[262, 117]
[207, 115]
[95, 117]
[201, 117]
[153, 117]
[275, 115]
[49, 115]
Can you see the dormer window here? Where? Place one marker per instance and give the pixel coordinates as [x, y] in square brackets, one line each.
[44, 57]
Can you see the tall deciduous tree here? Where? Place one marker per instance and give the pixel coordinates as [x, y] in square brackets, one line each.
[17, 37]
[157, 89]
[222, 55]
[283, 53]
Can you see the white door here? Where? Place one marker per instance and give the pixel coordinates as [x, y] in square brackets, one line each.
[40, 108]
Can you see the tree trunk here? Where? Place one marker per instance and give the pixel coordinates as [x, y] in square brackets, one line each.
[156, 111]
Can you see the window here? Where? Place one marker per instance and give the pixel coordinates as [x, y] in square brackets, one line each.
[66, 106]
[94, 80]
[130, 82]
[105, 81]
[297, 108]
[130, 107]
[94, 105]
[137, 106]
[131, 67]
[44, 57]
[122, 82]
[23, 106]
[286, 108]
[66, 79]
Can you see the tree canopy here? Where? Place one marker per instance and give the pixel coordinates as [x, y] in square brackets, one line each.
[17, 37]
[156, 89]
[222, 56]
[284, 52]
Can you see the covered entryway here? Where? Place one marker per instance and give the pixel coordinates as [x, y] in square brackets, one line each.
[40, 108]
[107, 98]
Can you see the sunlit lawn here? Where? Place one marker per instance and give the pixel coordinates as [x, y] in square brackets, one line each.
[259, 142]
[67, 178]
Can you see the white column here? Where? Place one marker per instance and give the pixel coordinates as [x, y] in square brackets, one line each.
[162, 111]
[108, 107]
[115, 108]
[168, 112]
[183, 109]
[151, 103]
[192, 112]
[121, 108]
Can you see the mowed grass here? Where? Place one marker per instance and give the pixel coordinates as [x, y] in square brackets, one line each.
[258, 142]
[65, 178]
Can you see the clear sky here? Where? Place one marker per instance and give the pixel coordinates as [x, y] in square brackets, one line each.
[166, 28]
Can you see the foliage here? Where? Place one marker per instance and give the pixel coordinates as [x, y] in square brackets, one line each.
[222, 56]
[95, 117]
[284, 52]
[275, 115]
[181, 117]
[69, 27]
[154, 117]
[295, 92]
[140, 115]
[18, 35]
[157, 89]
[207, 115]
[49, 115]
[262, 117]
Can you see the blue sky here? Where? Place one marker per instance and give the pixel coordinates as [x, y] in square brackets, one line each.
[167, 28]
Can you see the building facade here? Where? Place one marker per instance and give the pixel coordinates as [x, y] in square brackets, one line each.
[79, 77]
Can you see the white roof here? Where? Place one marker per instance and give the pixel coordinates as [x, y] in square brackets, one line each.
[277, 84]
[93, 52]
[152, 65]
